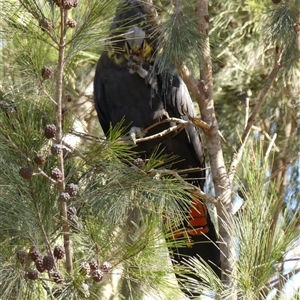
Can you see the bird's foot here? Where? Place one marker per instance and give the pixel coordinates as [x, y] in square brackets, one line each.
[135, 65]
[135, 132]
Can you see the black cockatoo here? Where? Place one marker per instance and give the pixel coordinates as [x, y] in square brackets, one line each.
[129, 87]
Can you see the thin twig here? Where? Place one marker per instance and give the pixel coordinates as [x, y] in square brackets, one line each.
[181, 124]
[86, 136]
[285, 276]
[282, 167]
[266, 135]
[59, 136]
[193, 121]
[272, 142]
[238, 155]
[200, 123]
[42, 173]
[289, 61]
[72, 149]
[162, 133]
[49, 96]
[246, 112]
[231, 150]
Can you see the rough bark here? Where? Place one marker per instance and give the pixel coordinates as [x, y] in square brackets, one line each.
[218, 170]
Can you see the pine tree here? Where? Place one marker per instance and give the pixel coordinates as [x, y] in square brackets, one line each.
[66, 209]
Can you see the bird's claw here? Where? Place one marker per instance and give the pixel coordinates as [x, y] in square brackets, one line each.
[135, 132]
[135, 65]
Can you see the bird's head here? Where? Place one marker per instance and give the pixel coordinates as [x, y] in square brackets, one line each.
[136, 42]
[130, 33]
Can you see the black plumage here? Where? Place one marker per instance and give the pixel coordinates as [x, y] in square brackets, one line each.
[121, 95]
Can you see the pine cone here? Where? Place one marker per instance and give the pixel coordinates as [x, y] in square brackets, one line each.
[56, 149]
[39, 159]
[93, 265]
[71, 23]
[97, 275]
[84, 269]
[68, 4]
[65, 197]
[75, 3]
[47, 72]
[21, 256]
[48, 262]
[56, 174]
[34, 254]
[26, 172]
[39, 264]
[59, 252]
[72, 189]
[68, 98]
[50, 131]
[58, 2]
[139, 162]
[57, 277]
[72, 211]
[32, 274]
[106, 266]
[46, 24]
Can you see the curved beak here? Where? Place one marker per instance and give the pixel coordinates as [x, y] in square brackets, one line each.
[135, 37]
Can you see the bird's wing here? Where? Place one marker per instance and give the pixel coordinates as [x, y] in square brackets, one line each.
[177, 96]
[100, 102]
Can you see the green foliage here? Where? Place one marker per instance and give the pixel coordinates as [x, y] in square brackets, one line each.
[280, 30]
[120, 206]
[247, 33]
[109, 190]
[264, 230]
[180, 24]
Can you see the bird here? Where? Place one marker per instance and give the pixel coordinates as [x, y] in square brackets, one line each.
[130, 87]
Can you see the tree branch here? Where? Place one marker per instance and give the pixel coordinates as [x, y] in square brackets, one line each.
[238, 154]
[219, 174]
[282, 167]
[161, 134]
[59, 120]
[191, 83]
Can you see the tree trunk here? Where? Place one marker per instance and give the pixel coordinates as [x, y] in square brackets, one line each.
[218, 170]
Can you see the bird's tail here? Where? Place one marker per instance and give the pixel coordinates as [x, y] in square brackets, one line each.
[196, 238]
[197, 221]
